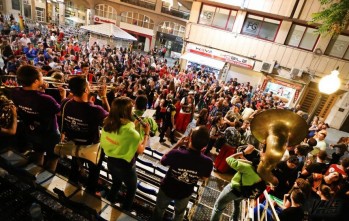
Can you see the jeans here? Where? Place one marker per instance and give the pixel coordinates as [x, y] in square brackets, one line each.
[225, 197]
[93, 172]
[121, 175]
[162, 202]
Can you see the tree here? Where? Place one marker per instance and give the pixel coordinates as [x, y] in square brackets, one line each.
[334, 17]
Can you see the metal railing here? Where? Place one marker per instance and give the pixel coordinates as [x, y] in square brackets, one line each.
[141, 3]
[175, 12]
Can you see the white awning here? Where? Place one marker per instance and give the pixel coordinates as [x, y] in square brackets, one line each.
[109, 30]
[217, 64]
[76, 20]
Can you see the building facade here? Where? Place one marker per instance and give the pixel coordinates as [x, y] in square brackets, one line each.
[153, 22]
[270, 43]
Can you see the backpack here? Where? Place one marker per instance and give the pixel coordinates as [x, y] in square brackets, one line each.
[232, 136]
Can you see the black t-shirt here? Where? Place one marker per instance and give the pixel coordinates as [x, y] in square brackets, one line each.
[292, 214]
[186, 167]
[317, 168]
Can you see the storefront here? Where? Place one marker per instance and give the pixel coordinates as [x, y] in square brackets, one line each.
[172, 42]
[283, 89]
[76, 16]
[215, 59]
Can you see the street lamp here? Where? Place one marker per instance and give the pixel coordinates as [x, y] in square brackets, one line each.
[327, 85]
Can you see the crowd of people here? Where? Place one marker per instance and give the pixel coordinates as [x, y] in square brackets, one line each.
[101, 86]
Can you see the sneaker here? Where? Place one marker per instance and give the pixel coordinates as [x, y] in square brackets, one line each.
[162, 140]
[133, 212]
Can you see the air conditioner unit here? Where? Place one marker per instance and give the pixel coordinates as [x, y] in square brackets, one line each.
[267, 66]
[296, 72]
[26, 2]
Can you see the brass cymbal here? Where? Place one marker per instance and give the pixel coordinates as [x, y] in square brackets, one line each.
[279, 119]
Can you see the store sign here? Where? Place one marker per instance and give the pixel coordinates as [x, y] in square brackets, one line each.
[221, 55]
[98, 19]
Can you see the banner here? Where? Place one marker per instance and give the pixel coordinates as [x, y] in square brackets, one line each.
[221, 55]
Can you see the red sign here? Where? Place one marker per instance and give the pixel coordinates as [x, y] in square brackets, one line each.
[98, 19]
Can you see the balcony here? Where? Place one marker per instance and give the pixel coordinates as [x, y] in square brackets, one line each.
[141, 3]
[175, 12]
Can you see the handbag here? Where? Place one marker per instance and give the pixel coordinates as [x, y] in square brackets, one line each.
[91, 152]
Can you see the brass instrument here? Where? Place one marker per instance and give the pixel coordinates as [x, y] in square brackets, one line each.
[277, 128]
[90, 152]
[97, 87]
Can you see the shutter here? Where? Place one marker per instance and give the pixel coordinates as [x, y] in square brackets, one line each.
[309, 100]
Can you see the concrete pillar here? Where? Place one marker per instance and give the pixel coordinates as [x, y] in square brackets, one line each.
[339, 112]
[147, 45]
[92, 15]
[195, 12]
[158, 6]
[61, 13]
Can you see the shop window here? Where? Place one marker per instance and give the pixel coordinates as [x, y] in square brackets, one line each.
[302, 37]
[40, 14]
[106, 11]
[27, 11]
[261, 27]
[137, 19]
[217, 17]
[338, 47]
[171, 28]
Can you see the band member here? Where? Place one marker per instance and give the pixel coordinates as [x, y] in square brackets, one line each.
[37, 112]
[169, 120]
[81, 121]
[122, 143]
[187, 165]
[140, 107]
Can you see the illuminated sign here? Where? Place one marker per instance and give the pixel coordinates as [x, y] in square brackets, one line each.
[98, 19]
[220, 55]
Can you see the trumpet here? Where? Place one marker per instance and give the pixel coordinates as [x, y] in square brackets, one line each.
[96, 88]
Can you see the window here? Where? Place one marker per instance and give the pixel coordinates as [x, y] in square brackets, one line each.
[172, 28]
[260, 27]
[27, 11]
[106, 11]
[1, 5]
[15, 5]
[40, 14]
[302, 37]
[217, 17]
[135, 18]
[338, 47]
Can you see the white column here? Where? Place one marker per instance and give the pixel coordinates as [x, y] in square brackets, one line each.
[147, 45]
[61, 13]
[92, 14]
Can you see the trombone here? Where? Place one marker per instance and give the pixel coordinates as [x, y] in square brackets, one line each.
[97, 87]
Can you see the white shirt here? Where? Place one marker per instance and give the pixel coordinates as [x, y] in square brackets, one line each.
[247, 113]
[321, 144]
[24, 41]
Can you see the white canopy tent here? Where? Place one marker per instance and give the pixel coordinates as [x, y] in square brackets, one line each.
[110, 30]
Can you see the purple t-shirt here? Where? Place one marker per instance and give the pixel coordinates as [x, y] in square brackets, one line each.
[186, 167]
[37, 110]
[82, 121]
